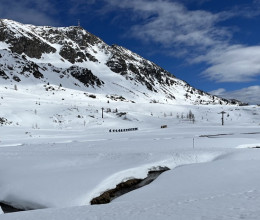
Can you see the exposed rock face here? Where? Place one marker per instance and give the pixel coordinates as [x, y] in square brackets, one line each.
[117, 65]
[23, 68]
[18, 65]
[85, 76]
[75, 40]
[3, 75]
[30, 44]
[33, 48]
[36, 42]
[68, 53]
[126, 63]
[82, 37]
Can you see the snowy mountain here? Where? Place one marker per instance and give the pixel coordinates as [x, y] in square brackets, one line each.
[74, 58]
[69, 103]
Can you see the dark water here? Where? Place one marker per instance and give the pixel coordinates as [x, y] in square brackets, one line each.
[8, 208]
[128, 186]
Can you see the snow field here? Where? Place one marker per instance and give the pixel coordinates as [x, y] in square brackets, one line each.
[88, 167]
[65, 166]
[226, 188]
[68, 168]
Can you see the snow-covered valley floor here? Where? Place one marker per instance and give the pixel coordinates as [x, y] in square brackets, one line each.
[58, 155]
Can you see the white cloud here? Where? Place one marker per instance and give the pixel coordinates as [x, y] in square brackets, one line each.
[236, 63]
[218, 92]
[247, 95]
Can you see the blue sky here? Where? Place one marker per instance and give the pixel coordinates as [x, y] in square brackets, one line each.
[214, 45]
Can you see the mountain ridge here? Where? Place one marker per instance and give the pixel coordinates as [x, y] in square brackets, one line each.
[75, 58]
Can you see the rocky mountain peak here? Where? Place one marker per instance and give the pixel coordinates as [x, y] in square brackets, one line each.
[75, 57]
[23, 40]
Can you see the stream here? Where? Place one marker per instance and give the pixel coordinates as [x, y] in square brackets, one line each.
[109, 195]
[128, 186]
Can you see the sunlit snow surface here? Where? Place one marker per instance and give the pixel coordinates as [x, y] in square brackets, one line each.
[67, 168]
[52, 158]
[56, 151]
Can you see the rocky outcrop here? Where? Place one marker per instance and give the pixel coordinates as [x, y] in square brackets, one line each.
[3, 74]
[75, 40]
[85, 76]
[68, 53]
[24, 68]
[4, 121]
[31, 45]
[33, 48]
[125, 62]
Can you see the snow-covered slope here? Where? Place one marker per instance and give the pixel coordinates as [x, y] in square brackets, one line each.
[76, 59]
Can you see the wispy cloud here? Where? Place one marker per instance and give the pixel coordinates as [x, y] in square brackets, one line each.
[38, 12]
[247, 10]
[170, 24]
[80, 6]
[191, 33]
[247, 95]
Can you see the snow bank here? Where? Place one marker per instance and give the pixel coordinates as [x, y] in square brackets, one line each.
[227, 188]
[73, 173]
